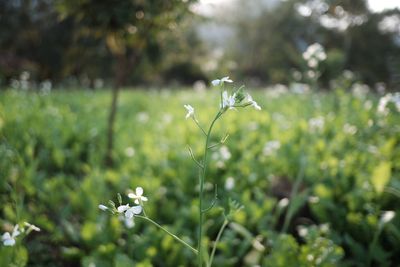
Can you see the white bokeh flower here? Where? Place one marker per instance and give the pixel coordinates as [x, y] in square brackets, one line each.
[217, 82]
[190, 111]
[387, 216]
[252, 102]
[9, 239]
[138, 195]
[271, 147]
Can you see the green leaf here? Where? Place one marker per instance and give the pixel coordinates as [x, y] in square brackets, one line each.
[122, 260]
[381, 176]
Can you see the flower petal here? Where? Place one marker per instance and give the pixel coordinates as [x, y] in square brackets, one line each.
[9, 242]
[133, 211]
[139, 191]
[216, 82]
[136, 209]
[5, 236]
[123, 208]
[144, 198]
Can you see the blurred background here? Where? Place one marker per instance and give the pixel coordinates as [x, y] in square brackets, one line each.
[77, 43]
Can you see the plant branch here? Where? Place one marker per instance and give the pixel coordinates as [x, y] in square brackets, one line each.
[194, 159]
[168, 232]
[221, 230]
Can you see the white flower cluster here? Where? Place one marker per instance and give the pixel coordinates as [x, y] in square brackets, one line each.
[125, 209]
[314, 54]
[8, 238]
[228, 101]
[385, 100]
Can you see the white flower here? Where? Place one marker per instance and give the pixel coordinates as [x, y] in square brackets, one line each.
[221, 81]
[252, 102]
[123, 208]
[103, 207]
[138, 196]
[315, 51]
[316, 124]
[135, 210]
[387, 216]
[190, 111]
[229, 183]
[9, 239]
[31, 226]
[228, 101]
[283, 203]
[271, 147]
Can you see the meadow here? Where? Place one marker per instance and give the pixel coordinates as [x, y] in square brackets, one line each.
[317, 176]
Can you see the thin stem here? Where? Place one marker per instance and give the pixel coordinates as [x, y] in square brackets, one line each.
[214, 200]
[201, 183]
[168, 232]
[221, 230]
[194, 159]
[198, 124]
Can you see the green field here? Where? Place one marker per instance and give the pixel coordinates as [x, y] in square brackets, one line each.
[332, 154]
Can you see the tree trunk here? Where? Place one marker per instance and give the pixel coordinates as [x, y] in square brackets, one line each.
[120, 78]
[124, 64]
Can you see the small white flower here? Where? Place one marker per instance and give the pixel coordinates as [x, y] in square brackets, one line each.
[227, 100]
[387, 216]
[135, 210]
[123, 208]
[103, 207]
[138, 195]
[190, 111]
[229, 183]
[283, 203]
[31, 226]
[221, 81]
[9, 239]
[252, 102]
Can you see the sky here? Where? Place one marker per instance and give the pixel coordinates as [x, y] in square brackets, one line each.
[380, 5]
[375, 5]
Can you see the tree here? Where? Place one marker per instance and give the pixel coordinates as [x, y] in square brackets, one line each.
[130, 30]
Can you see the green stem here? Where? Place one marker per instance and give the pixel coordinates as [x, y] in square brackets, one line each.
[221, 230]
[198, 125]
[168, 232]
[201, 183]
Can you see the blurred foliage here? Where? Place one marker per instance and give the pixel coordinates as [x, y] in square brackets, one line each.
[75, 42]
[268, 45]
[52, 175]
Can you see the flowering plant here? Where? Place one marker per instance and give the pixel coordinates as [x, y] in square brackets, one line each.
[228, 101]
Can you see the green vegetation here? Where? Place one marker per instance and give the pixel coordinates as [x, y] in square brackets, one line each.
[332, 154]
